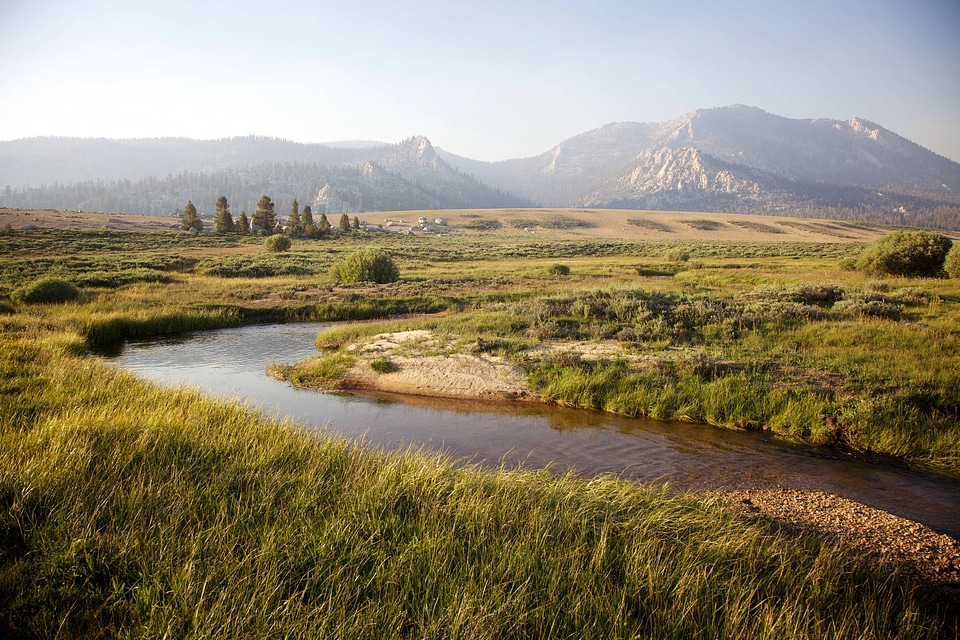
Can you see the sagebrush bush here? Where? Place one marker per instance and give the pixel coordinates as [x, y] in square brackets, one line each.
[951, 263]
[277, 243]
[676, 255]
[913, 254]
[366, 265]
[46, 290]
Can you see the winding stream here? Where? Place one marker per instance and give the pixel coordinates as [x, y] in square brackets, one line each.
[231, 363]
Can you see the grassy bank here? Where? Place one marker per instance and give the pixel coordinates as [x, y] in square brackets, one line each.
[848, 366]
[133, 510]
[747, 334]
[127, 509]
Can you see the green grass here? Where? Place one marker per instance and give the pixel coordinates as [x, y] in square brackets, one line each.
[127, 509]
[133, 510]
[816, 362]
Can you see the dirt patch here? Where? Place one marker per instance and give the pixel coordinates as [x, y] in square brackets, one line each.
[416, 363]
[48, 219]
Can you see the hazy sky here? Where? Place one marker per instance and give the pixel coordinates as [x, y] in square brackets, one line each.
[489, 80]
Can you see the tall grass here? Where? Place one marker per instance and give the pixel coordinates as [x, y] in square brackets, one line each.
[127, 509]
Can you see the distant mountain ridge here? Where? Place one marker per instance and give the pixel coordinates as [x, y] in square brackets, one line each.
[407, 175]
[715, 157]
[734, 159]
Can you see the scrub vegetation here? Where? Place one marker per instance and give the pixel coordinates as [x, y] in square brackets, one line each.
[129, 509]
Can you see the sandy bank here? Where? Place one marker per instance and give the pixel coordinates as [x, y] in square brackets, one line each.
[417, 367]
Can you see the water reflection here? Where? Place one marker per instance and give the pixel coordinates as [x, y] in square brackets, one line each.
[231, 363]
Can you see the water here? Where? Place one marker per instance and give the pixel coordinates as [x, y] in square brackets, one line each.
[231, 363]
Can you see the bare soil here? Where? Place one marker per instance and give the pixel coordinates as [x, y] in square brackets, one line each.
[50, 219]
[416, 372]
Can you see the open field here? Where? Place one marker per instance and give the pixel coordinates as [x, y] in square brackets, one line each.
[129, 509]
[546, 223]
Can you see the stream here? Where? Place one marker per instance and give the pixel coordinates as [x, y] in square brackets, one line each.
[231, 363]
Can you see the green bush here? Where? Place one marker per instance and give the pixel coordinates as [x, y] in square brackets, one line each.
[676, 255]
[559, 270]
[46, 290]
[366, 265]
[277, 243]
[382, 365]
[952, 263]
[913, 254]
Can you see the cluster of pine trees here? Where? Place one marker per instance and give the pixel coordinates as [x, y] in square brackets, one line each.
[300, 222]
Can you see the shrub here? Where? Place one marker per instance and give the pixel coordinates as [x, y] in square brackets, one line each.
[952, 263]
[382, 365]
[366, 265]
[676, 255]
[913, 254]
[46, 290]
[559, 270]
[276, 243]
[565, 222]
[483, 225]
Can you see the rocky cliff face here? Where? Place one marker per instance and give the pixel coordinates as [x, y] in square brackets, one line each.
[731, 158]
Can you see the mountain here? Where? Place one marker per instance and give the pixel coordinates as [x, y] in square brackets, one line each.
[124, 176]
[733, 159]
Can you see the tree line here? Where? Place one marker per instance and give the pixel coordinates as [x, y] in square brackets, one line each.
[264, 221]
[382, 190]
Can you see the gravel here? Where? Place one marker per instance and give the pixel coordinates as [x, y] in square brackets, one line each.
[908, 547]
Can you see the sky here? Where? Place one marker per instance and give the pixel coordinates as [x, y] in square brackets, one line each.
[488, 80]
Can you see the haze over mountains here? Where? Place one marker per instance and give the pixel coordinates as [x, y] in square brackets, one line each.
[735, 159]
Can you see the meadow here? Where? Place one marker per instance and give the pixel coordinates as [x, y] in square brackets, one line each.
[127, 509]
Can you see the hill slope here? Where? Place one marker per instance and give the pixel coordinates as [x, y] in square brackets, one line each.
[734, 159]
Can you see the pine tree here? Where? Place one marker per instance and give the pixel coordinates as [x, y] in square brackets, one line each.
[356, 223]
[294, 220]
[344, 222]
[324, 224]
[224, 222]
[309, 229]
[264, 217]
[244, 223]
[190, 218]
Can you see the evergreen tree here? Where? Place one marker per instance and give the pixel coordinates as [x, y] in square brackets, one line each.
[224, 222]
[344, 222]
[324, 224]
[244, 223]
[294, 220]
[309, 229]
[264, 217]
[190, 218]
[356, 223]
